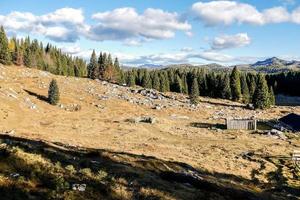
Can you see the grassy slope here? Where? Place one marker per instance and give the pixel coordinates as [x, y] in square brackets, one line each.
[47, 171]
[134, 161]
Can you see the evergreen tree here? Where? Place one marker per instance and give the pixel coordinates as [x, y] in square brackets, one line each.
[226, 90]
[53, 93]
[272, 100]
[17, 55]
[156, 81]
[194, 94]
[245, 89]
[235, 84]
[185, 89]
[117, 64]
[146, 82]
[252, 86]
[92, 65]
[28, 57]
[101, 66]
[4, 50]
[164, 82]
[130, 79]
[178, 85]
[261, 95]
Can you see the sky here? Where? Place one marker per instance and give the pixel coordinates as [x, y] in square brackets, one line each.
[161, 32]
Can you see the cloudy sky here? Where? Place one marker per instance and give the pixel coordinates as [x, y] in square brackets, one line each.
[161, 32]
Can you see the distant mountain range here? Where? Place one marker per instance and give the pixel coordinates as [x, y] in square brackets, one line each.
[276, 62]
[270, 65]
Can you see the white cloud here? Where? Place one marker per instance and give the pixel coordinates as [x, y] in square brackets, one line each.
[63, 25]
[296, 16]
[213, 56]
[276, 15]
[186, 49]
[226, 12]
[126, 23]
[122, 24]
[73, 49]
[231, 12]
[173, 58]
[230, 41]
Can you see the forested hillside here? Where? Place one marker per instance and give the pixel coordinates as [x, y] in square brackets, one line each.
[234, 85]
[32, 53]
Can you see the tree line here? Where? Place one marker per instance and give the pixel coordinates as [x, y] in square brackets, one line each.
[257, 89]
[32, 53]
[242, 87]
[285, 83]
[104, 68]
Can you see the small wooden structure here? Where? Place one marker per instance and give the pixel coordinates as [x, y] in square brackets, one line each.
[241, 124]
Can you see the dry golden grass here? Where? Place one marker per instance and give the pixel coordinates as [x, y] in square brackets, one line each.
[106, 128]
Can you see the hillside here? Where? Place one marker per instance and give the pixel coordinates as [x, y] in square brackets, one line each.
[175, 157]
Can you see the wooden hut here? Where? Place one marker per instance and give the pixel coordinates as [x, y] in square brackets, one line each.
[241, 124]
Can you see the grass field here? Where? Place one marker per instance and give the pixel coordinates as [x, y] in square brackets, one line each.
[89, 139]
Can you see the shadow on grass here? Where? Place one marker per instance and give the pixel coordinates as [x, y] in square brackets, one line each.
[174, 179]
[222, 104]
[38, 96]
[208, 125]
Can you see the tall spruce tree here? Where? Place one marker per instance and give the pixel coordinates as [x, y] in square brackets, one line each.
[235, 84]
[194, 94]
[261, 99]
[92, 65]
[156, 81]
[245, 90]
[178, 85]
[226, 90]
[130, 79]
[53, 93]
[4, 50]
[272, 100]
[164, 82]
[146, 82]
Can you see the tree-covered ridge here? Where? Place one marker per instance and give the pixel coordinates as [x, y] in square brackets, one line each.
[234, 85]
[32, 53]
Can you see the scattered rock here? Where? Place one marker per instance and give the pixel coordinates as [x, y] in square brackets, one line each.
[277, 134]
[150, 120]
[14, 175]
[79, 187]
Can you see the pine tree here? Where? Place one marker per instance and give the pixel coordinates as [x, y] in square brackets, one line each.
[252, 86]
[146, 82]
[164, 82]
[101, 66]
[194, 94]
[4, 50]
[28, 57]
[92, 65]
[156, 81]
[226, 90]
[245, 89]
[53, 93]
[130, 79]
[261, 95]
[178, 85]
[17, 55]
[235, 84]
[185, 88]
[272, 100]
[117, 64]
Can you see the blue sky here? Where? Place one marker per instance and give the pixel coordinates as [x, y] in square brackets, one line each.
[161, 32]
